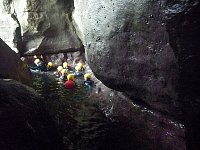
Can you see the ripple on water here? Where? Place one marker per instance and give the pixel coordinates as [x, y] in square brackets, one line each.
[82, 124]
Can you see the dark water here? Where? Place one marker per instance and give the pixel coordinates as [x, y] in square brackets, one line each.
[82, 124]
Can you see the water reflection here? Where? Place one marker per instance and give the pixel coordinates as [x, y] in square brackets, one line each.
[84, 127]
[82, 124]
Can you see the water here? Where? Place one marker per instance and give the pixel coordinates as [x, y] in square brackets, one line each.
[78, 118]
[82, 124]
[84, 127]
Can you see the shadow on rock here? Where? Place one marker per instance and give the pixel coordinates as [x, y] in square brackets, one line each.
[24, 123]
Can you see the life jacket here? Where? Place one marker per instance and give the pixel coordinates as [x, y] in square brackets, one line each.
[69, 84]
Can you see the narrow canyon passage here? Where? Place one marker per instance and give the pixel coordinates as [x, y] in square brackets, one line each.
[142, 55]
[82, 125]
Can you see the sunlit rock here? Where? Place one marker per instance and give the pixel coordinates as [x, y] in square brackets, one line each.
[42, 26]
[8, 25]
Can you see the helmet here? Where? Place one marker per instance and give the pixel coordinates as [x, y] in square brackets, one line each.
[35, 56]
[70, 77]
[87, 76]
[50, 64]
[37, 61]
[80, 64]
[78, 68]
[65, 64]
[64, 71]
[59, 68]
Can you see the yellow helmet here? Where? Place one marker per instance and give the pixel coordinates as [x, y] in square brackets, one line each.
[50, 64]
[78, 68]
[59, 68]
[65, 64]
[37, 61]
[64, 71]
[80, 65]
[70, 77]
[87, 76]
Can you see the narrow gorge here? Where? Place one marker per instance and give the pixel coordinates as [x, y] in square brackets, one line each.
[143, 56]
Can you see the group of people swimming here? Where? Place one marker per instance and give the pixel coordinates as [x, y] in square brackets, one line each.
[65, 73]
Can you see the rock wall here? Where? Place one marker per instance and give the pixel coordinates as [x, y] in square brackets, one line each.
[148, 50]
[38, 27]
[11, 66]
[143, 48]
[183, 26]
[127, 46]
[7, 25]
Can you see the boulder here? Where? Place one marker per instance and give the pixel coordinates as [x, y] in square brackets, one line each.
[128, 49]
[25, 124]
[11, 65]
[147, 50]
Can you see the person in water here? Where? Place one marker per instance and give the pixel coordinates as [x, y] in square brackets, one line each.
[81, 66]
[66, 66]
[88, 82]
[39, 65]
[70, 84]
[87, 79]
[49, 66]
[58, 73]
[63, 76]
[79, 70]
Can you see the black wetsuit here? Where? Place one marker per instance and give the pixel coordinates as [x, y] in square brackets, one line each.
[41, 67]
[89, 82]
[68, 68]
[49, 68]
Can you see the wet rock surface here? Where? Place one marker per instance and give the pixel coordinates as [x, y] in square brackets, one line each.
[11, 65]
[25, 124]
[148, 50]
[184, 29]
[132, 46]
[140, 127]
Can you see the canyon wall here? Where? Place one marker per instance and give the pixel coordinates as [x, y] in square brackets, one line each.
[38, 27]
[147, 50]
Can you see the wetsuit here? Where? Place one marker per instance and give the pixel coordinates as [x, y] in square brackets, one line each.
[40, 67]
[78, 74]
[89, 84]
[68, 68]
[49, 68]
[63, 78]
